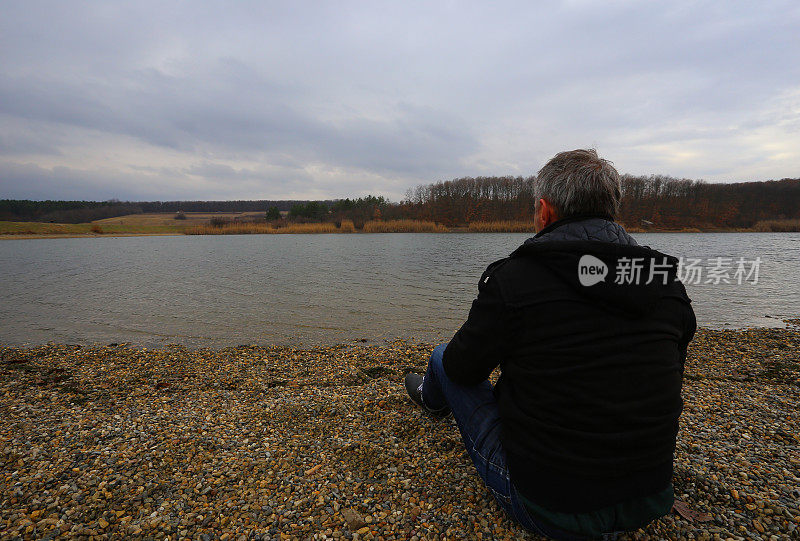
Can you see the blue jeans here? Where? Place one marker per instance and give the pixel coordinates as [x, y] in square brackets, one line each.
[477, 416]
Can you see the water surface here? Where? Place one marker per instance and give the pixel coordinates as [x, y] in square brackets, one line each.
[316, 289]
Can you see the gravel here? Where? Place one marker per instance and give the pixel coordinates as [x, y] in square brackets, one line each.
[283, 443]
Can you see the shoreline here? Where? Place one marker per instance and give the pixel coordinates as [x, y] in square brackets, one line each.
[453, 230]
[281, 442]
[82, 235]
[198, 346]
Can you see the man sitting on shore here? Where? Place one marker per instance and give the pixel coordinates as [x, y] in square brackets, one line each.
[590, 331]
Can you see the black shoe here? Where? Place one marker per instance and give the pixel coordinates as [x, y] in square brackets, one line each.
[414, 389]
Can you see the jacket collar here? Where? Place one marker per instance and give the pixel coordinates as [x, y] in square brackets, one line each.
[570, 219]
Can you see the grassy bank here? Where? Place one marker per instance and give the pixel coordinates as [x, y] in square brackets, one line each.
[275, 442]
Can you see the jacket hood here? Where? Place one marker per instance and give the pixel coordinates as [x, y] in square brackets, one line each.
[598, 259]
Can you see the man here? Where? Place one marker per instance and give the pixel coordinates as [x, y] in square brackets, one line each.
[590, 331]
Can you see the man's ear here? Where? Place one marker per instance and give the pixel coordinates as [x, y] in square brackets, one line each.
[548, 213]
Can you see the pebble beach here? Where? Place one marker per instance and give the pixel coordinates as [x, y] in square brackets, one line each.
[124, 442]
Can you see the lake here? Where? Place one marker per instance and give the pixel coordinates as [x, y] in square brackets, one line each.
[319, 289]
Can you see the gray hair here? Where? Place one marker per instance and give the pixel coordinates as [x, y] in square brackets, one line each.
[579, 182]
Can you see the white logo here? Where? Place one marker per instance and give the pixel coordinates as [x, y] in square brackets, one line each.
[591, 270]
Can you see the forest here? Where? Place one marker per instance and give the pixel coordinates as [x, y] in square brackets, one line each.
[655, 201]
[652, 201]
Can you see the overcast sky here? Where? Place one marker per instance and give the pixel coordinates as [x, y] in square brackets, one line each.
[257, 100]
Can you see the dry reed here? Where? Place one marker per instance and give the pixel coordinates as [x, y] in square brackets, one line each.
[308, 228]
[403, 226]
[777, 226]
[504, 226]
[229, 229]
[347, 226]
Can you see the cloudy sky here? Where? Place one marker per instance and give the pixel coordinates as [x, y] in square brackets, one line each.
[258, 100]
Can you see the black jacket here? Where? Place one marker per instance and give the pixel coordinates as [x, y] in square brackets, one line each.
[589, 391]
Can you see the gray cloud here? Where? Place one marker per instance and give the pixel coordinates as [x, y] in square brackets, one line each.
[255, 99]
[21, 180]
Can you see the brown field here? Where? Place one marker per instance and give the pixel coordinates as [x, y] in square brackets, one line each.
[167, 219]
[132, 224]
[39, 228]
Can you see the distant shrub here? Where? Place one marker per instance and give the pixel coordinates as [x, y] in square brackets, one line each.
[273, 214]
[180, 215]
[96, 229]
[220, 222]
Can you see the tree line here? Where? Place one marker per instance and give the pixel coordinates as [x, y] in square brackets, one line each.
[655, 200]
[20, 210]
[680, 203]
[71, 212]
[465, 200]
